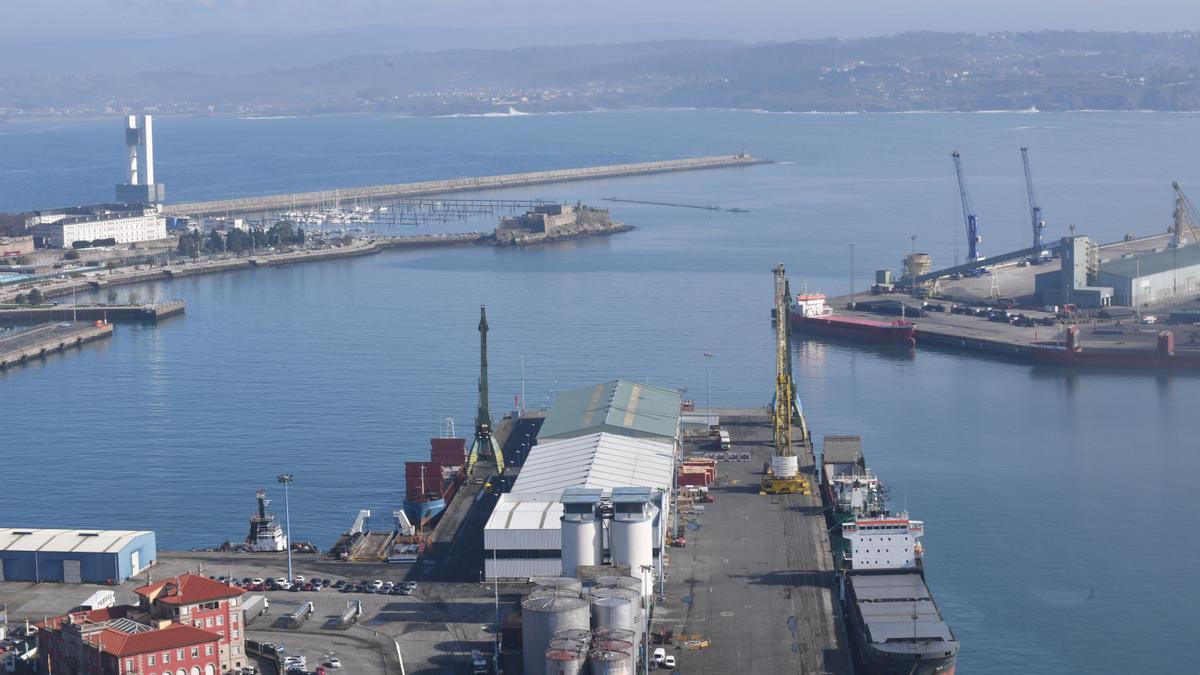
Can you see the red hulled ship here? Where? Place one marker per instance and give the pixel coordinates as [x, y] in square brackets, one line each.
[810, 314]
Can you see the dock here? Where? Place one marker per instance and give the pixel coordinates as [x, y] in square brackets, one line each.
[149, 313]
[301, 200]
[755, 582]
[36, 342]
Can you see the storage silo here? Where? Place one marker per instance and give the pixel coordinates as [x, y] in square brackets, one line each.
[619, 647]
[569, 584]
[605, 662]
[632, 536]
[614, 612]
[565, 662]
[541, 618]
[582, 531]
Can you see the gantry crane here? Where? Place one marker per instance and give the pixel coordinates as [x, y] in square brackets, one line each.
[484, 443]
[1035, 213]
[969, 217]
[783, 476]
[1185, 219]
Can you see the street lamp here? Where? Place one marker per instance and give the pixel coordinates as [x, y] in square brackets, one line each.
[912, 266]
[287, 478]
[646, 569]
[708, 356]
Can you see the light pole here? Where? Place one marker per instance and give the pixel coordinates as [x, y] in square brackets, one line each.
[708, 356]
[287, 478]
[522, 385]
[646, 611]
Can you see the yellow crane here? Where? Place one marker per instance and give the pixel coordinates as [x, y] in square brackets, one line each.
[783, 475]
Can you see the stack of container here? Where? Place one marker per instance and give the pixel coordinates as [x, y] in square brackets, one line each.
[698, 472]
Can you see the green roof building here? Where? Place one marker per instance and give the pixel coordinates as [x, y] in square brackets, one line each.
[617, 407]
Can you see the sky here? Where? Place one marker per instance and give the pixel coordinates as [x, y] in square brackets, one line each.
[31, 21]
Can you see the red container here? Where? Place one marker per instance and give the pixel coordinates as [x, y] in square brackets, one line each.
[422, 479]
[693, 478]
[448, 451]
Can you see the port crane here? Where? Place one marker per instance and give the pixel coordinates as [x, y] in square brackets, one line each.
[1185, 219]
[484, 444]
[969, 217]
[1035, 213]
[782, 476]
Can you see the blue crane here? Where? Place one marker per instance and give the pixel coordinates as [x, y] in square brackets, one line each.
[969, 217]
[1035, 213]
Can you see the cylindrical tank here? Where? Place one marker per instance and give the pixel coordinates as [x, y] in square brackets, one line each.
[605, 662]
[614, 612]
[633, 545]
[559, 583]
[582, 542]
[578, 634]
[565, 662]
[916, 264]
[541, 618]
[552, 593]
[785, 467]
[601, 634]
[570, 643]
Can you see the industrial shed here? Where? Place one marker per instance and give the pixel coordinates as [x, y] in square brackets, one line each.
[1155, 277]
[74, 556]
[523, 536]
[620, 407]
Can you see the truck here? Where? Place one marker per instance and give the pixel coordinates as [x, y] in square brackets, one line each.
[724, 438]
[99, 600]
[254, 607]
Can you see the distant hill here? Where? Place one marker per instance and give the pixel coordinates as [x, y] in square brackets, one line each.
[1051, 70]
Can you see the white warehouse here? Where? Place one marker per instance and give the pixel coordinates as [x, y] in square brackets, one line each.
[577, 497]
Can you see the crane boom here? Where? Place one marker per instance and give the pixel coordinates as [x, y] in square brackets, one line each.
[968, 208]
[1035, 211]
[1186, 217]
[783, 476]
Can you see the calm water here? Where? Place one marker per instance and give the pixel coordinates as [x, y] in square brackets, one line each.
[1049, 497]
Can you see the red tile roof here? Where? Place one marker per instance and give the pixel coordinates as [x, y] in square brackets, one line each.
[175, 636]
[90, 616]
[188, 589]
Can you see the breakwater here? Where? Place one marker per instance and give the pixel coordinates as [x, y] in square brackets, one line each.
[403, 190]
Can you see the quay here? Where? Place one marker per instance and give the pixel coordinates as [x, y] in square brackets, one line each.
[405, 190]
[151, 313]
[755, 579]
[21, 345]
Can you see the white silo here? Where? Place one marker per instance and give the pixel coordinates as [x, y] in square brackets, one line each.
[541, 618]
[631, 533]
[582, 531]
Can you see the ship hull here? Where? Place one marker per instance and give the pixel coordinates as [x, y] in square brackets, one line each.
[1059, 356]
[862, 330]
[424, 511]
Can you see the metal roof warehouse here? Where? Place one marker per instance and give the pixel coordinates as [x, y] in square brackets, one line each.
[620, 406]
[74, 556]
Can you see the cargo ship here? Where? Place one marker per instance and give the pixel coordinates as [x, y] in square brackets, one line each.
[810, 314]
[895, 626]
[430, 485]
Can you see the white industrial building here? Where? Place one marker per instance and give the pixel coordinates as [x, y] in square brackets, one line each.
[124, 223]
[576, 498]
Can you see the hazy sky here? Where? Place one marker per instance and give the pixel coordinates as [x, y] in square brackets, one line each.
[38, 20]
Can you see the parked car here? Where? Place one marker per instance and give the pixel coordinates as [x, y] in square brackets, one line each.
[660, 654]
[668, 661]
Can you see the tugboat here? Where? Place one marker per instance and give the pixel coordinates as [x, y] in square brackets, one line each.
[266, 535]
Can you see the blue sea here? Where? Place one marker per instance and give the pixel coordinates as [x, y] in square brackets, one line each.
[1056, 503]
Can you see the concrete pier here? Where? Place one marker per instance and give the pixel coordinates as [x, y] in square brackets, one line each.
[23, 345]
[404, 190]
[108, 313]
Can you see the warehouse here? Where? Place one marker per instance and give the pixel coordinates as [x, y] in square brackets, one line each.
[523, 536]
[74, 556]
[620, 406]
[1152, 278]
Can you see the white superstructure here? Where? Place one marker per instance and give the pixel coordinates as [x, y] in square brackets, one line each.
[887, 542]
[811, 305]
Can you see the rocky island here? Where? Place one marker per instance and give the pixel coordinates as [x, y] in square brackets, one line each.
[555, 222]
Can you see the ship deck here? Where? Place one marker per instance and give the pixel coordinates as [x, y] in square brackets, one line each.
[756, 577]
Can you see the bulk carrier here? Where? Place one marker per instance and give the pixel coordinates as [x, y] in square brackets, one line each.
[810, 314]
[894, 623]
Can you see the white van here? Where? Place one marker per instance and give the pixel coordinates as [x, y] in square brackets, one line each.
[725, 444]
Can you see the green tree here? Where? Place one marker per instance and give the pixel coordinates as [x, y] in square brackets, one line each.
[112, 297]
[21, 299]
[36, 297]
[71, 255]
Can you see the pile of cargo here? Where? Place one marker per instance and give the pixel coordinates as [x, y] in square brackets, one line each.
[698, 472]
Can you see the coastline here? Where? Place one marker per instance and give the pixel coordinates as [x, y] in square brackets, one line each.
[56, 288]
